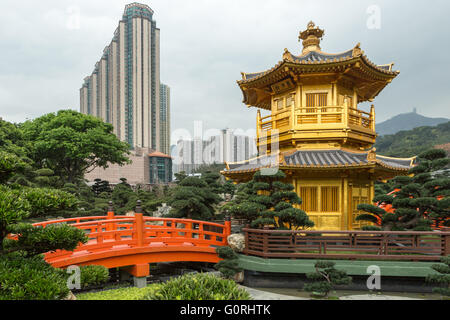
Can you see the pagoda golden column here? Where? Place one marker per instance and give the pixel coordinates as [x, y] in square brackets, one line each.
[315, 132]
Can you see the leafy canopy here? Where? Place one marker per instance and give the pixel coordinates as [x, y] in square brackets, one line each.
[71, 143]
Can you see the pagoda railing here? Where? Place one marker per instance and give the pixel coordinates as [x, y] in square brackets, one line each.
[376, 245]
[310, 117]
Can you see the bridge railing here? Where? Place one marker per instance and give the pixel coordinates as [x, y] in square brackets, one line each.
[378, 245]
[138, 231]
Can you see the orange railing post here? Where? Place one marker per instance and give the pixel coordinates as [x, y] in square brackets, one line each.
[139, 224]
[227, 228]
[110, 216]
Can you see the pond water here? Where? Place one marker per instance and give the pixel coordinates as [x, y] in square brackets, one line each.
[341, 293]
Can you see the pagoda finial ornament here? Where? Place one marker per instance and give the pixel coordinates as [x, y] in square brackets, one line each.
[311, 38]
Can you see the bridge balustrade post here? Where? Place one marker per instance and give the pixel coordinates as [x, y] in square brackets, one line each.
[110, 216]
[188, 230]
[227, 229]
[139, 224]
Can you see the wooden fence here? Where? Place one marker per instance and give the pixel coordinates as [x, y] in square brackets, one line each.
[377, 245]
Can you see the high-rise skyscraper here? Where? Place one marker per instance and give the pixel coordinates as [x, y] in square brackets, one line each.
[164, 116]
[124, 88]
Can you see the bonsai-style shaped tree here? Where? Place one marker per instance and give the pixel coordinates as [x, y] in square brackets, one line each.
[101, 186]
[23, 272]
[325, 278]
[443, 278]
[229, 189]
[193, 198]
[180, 176]
[420, 201]
[268, 201]
[213, 181]
[229, 266]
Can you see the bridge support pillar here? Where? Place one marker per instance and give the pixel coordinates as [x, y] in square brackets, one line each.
[140, 282]
[139, 273]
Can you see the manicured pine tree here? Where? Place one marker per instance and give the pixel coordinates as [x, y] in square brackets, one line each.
[213, 181]
[443, 278]
[229, 266]
[193, 198]
[229, 188]
[180, 176]
[101, 186]
[267, 201]
[325, 278]
[422, 200]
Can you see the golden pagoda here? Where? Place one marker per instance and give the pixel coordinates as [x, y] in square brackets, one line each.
[315, 132]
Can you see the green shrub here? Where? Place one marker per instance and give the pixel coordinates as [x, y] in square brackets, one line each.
[130, 293]
[93, 276]
[90, 275]
[30, 279]
[200, 286]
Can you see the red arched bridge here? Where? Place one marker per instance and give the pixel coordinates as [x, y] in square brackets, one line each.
[136, 241]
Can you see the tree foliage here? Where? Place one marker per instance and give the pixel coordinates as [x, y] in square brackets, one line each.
[229, 266]
[421, 200]
[71, 143]
[325, 278]
[409, 143]
[194, 198]
[267, 201]
[443, 278]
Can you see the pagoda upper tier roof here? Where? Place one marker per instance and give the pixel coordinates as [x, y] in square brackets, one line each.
[321, 58]
[353, 65]
[321, 159]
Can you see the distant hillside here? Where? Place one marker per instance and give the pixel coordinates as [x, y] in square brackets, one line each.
[410, 143]
[407, 121]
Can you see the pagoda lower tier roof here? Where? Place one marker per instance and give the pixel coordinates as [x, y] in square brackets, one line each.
[321, 159]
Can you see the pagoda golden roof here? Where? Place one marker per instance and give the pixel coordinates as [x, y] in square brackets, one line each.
[352, 65]
[321, 159]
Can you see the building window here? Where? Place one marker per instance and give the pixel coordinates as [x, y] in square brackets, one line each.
[330, 199]
[314, 100]
[289, 100]
[309, 199]
[279, 104]
[359, 194]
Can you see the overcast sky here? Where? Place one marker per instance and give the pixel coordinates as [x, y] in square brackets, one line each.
[47, 47]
